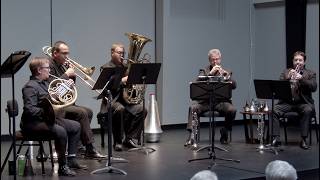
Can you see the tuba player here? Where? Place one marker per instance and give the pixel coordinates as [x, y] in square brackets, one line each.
[131, 115]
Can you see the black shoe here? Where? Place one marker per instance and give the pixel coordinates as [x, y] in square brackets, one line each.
[118, 147]
[81, 150]
[275, 142]
[65, 171]
[224, 136]
[94, 154]
[304, 145]
[73, 164]
[129, 143]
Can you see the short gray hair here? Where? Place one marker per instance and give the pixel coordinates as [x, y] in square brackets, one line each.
[214, 51]
[205, 175]
[280, 170]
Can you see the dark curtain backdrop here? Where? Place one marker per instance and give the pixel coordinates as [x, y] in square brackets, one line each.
[295, 27]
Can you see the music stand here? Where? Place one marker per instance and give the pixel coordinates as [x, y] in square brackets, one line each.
[272, 89]
[109, 79]
[13, 63]
[214, 91]
[143, 73]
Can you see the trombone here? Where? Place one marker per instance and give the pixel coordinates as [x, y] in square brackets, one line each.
[86, 72]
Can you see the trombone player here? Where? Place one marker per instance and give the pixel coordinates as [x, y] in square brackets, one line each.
[60, 68]
[225, 108]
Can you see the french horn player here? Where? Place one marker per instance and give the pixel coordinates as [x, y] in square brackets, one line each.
[64, 67]
[131, 115]
[303, 84]
[36, 122]
[224, 107]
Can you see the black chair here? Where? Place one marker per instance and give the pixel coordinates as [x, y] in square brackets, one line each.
[102, 119]
[208, 114]
[19, 136]
[295, 116]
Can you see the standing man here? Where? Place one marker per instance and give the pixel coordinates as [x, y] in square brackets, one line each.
[303, 83]
[131, 115]
[60, 68]
[224, 107]
[34, 121]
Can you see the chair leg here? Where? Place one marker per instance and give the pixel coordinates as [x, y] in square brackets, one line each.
[102, 132]
[285, 133]
[41, 154]
[7, 157]
[51, 154]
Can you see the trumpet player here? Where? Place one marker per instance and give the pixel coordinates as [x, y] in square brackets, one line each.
[225, 108]
[34, 121]
[60, 68]
[303, 84]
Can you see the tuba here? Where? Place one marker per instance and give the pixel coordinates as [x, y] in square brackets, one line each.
[134, 93]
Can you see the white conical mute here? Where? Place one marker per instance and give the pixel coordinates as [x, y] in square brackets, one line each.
[152, 126]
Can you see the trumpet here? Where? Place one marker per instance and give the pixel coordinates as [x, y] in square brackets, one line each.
[297, 70]
[222, 72]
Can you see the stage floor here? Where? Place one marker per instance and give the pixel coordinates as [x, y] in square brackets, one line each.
[170, 160]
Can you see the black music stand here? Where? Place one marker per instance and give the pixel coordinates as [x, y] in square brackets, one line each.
[13, 63]
[109, 79]
[214, 91]
[143, 74]
[272, 89]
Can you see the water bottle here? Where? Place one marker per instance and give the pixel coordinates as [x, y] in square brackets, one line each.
[21, 164]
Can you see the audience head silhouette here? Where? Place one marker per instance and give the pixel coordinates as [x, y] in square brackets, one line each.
[205, 175]
[280, 170]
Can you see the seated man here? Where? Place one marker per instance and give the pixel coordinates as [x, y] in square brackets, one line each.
[132, 114]
[225, 107]
[33, 121]
[303, 83]
[61, 68]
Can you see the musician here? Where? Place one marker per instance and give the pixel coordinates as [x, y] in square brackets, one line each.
[34, 123]
[224, 107]
[131, 115]
[303, 83]
[60, 68]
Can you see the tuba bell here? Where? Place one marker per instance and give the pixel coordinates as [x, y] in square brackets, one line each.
[133, 94]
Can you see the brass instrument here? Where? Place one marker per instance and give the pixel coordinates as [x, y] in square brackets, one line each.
[294, 81]
[86, 72]
[62, 93]
[222, 72]
[134, 94]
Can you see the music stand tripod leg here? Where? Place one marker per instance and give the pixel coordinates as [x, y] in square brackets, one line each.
[109, 168]
[146, 150]
[212, 154]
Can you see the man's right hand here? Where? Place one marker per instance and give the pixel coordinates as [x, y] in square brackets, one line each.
[70, 72]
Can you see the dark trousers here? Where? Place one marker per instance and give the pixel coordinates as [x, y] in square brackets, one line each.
[130, 118]
[224, 108]
[83, 115]
[64, 131]
[304, 110]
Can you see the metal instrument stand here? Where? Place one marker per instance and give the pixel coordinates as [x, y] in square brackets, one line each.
[261, 148]
[202, 90]
[273, 89]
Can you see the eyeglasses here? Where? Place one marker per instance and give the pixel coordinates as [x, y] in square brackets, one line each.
[64, 53]
[119, 52]
[46, 67]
